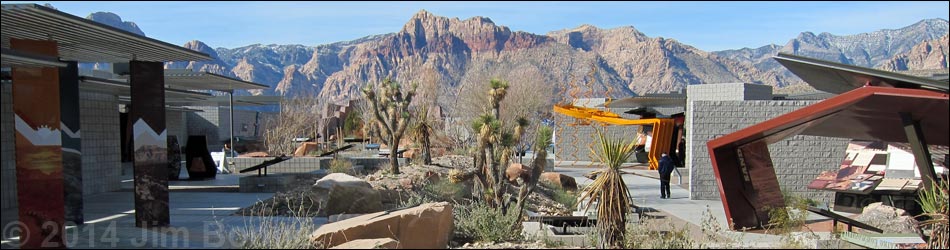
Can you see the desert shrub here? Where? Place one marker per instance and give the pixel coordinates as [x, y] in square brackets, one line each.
[479, 222]
[341, 166]
[649, 236]
[561, 195]
[445, 190]
[261, 231]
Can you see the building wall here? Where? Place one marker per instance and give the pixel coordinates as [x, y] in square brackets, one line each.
[729, 91]
[101, 148]
[572, 143]
[797, 160]
[175, 125]
[99, 123]
[215, 124]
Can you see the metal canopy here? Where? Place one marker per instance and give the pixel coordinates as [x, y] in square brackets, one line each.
[85, 40]
[123, 89]
[646, 101]
[838, 78]
[238, 101]
[17, 58]
[188, 79]
[867, 113]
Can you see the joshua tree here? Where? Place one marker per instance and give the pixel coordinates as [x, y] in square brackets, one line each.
[421, 130]
[541, 141]
[497, 92]
[609, 191]
[390, 108]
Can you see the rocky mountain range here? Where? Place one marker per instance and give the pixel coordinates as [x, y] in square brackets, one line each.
[450, 56]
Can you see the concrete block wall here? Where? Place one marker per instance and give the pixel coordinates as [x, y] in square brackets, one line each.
[99, 122]
[797, 160]
[215, 124]
[572, 143]
[101, 148]
[729, 91]
[175, 124]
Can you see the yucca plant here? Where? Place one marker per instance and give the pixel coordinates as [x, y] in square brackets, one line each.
[934, 201]
[421, 131]
[609, 191]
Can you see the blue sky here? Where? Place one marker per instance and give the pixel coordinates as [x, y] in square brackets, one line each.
[708, 26]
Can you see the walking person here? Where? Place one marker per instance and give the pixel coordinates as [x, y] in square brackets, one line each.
[666, 168]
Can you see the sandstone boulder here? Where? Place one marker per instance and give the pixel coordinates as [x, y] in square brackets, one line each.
[381, 243]
[306, 148]
[559, 180]
[516, 170]
[427, 226]
[339, 193]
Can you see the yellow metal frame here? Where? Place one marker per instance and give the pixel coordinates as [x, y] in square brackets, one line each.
[662, 127]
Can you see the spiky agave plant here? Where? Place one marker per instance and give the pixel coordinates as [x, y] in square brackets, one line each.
[934, 202]
[609, 191]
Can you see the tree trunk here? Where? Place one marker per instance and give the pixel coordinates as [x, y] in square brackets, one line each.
[393, 156]
[426, 155]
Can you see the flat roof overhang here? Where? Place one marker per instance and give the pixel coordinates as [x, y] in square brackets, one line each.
[867, 113]
[837, 78]
[238, 101]
[14, 58]
[187, 79]
[123, 89]
[85, 40]
[646, 101]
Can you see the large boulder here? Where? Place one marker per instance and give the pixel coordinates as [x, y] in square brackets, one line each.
[381, 243]
[559, 180]
[339, 193]
[516, 170]
[306, 149]
[888, 218]
[427, 226]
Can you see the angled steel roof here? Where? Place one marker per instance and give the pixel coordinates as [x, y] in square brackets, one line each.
[188, 79]
[838, 78]
[17, 58]
[646, 101]
[85, 40]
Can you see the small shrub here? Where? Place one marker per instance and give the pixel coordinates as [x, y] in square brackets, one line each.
[563, 196]
[271, 232]
[648, 236]
[479, 222]
[341, 166]
[445, 190]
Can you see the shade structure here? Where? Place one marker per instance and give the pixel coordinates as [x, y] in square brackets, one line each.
[123, 90]
[662, 127]
[866, 113]
[646, 101]
[838, 78]
[14, 58]
[85, 40]
[238, 101]
[188, 79]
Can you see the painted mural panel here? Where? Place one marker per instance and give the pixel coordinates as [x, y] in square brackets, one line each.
[38, 145]
[149, 153]
[72, 143]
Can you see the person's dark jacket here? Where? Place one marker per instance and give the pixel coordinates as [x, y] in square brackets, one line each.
[666, 167]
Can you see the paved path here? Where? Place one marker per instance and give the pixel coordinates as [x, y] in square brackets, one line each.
[198, 220]
[646, 193]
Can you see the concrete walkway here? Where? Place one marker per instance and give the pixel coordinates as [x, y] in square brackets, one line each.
[646, 193]
[199, 219]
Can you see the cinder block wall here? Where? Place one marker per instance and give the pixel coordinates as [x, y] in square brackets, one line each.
[175, 125]
[215, 124]
[99, 123]
[797, 160]
[573, 142]
[101, 148]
